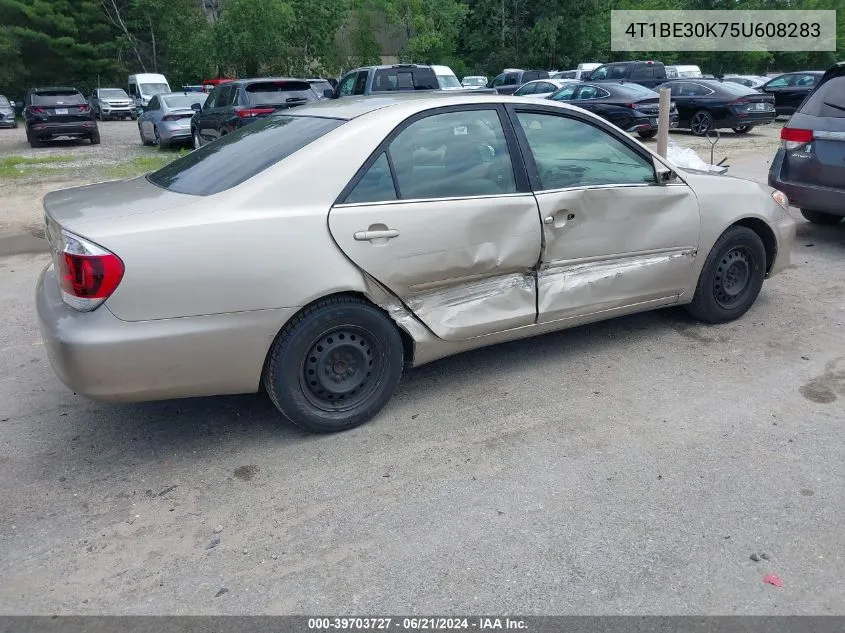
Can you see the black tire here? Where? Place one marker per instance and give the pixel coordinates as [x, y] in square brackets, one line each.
[144, 140]
[95, 137]
[195, 135]
[33, 140]
[315, 370]
[820, 217]
[743, 129]
[647, 134]
[133, 116]
[701, 123]
[161, 144]
[731, 278]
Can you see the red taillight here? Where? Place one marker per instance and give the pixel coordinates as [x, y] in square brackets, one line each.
[84, 107]
[793, 138]
[633, 106]
[88, 274]
[176, 117]
[38, 110]
[739, 102]
[246, 113]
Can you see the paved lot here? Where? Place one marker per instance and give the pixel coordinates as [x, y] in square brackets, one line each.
[631, 466]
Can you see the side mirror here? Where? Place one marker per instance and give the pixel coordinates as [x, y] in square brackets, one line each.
[665, 176]
[328, 93]
[196, 107]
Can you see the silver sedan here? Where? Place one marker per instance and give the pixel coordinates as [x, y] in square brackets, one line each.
[321, 252]
[166, 120]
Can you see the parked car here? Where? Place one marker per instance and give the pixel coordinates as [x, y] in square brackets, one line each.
[683, 72]
[144, 86]
[320, 86]
[708, 104]
[233, 104]
[629, 106]
[646, 73]
[750, 81]
[474, 81]
[166, 120]
[446, 79]
[111, 103]
[543, 87]
[791, 89]
[579, 73]
[7, 113]
[810, 165]
[321, 251]
[51, 113]
[394, 78]
[511, 80]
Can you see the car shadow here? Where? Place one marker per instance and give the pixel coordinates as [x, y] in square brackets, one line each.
[809, 235]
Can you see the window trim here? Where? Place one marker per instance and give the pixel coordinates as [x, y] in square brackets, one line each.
[518, 164]
[601, 125]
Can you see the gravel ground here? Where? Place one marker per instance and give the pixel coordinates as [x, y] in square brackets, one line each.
[638, 466]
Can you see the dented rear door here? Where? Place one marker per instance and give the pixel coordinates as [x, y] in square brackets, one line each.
[440, 217]
[614, 238]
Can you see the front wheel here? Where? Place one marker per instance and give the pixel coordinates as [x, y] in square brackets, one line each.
[335, 365]
[743, 129]
[701, 123]
[820, 217]
[647, 134]
[731, 278]
[196, 137]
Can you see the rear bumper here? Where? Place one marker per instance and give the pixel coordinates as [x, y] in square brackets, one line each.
[762, 118]
[73, 128]
[173, 133]
[804, 195]
[103, 358]
[646, 124]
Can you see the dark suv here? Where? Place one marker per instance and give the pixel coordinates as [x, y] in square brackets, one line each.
[53, 112]
[509, 82]
[233, 104]
[649, 74]
[395, 78]
[810, 166]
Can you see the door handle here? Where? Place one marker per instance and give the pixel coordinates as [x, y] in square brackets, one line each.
[555, 218]
[366, 236]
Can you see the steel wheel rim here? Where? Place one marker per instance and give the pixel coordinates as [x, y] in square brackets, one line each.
[734, 277]
[700, 123]
[342, 369]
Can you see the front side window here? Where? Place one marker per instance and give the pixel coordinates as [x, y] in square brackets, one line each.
[361, 83]
[347, 85]
[239, 156]
[643, 72]
[618, 72]
[498, 81]
[511, 79]
[572, 153]
[778, 82]
[600, 73]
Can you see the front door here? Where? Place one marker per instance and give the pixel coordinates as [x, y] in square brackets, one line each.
[614, 238]
[440, 217]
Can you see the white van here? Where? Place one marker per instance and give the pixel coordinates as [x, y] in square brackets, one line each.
[682, 72]
[145, 86]
[446, 79]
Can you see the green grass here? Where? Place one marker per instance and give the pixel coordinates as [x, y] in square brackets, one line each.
[142, 164]
[12, 166]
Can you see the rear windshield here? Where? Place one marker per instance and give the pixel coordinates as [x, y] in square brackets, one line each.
[389, 79]
[4, 102]
[734, 89]
[280, 92]
[448, 81]
[236, 157]
[828, 100]
[475, 81]
[635, 90]
[184, 101]
[113, 93]
[57, 98]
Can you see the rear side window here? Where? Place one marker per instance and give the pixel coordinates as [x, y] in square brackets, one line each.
[643, 72]
[57, 98]
[279, 92]
[828, 100]
[618, 72]
[390, 79]
[239, 156]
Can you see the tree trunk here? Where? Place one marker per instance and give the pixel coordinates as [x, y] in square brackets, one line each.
[153, 40]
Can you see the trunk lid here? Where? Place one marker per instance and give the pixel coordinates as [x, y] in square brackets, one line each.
[89, 210]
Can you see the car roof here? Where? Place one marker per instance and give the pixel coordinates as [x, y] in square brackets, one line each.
[349, 108]
[54, 89]
[260, 79]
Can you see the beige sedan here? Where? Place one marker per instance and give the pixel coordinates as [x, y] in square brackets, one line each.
[322, 251]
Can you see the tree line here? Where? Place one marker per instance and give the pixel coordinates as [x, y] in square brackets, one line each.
[86, 43]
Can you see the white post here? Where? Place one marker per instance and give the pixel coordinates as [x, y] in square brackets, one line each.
[663, 122]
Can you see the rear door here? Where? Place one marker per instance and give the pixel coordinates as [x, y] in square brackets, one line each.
[442, 215]
[821, 162]
[205, 118]
[613, 237]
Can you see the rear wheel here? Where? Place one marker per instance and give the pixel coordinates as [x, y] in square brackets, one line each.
[196, 137]
[743, 129]
[335, 365]
[144, 140]
[33, 140]
[701, 123]
[820, 217]
[161, 144]
[95, 137]
[731, 278]
[647, 134]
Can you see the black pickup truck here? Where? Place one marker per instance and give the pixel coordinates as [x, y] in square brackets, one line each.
[370, 80]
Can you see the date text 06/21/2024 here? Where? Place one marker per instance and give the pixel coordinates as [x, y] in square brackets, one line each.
[415, 624]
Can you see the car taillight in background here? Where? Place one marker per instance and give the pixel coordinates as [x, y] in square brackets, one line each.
[84, 107]
[795, 138]
[88, 274]
[176, 117]
[246, 113]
